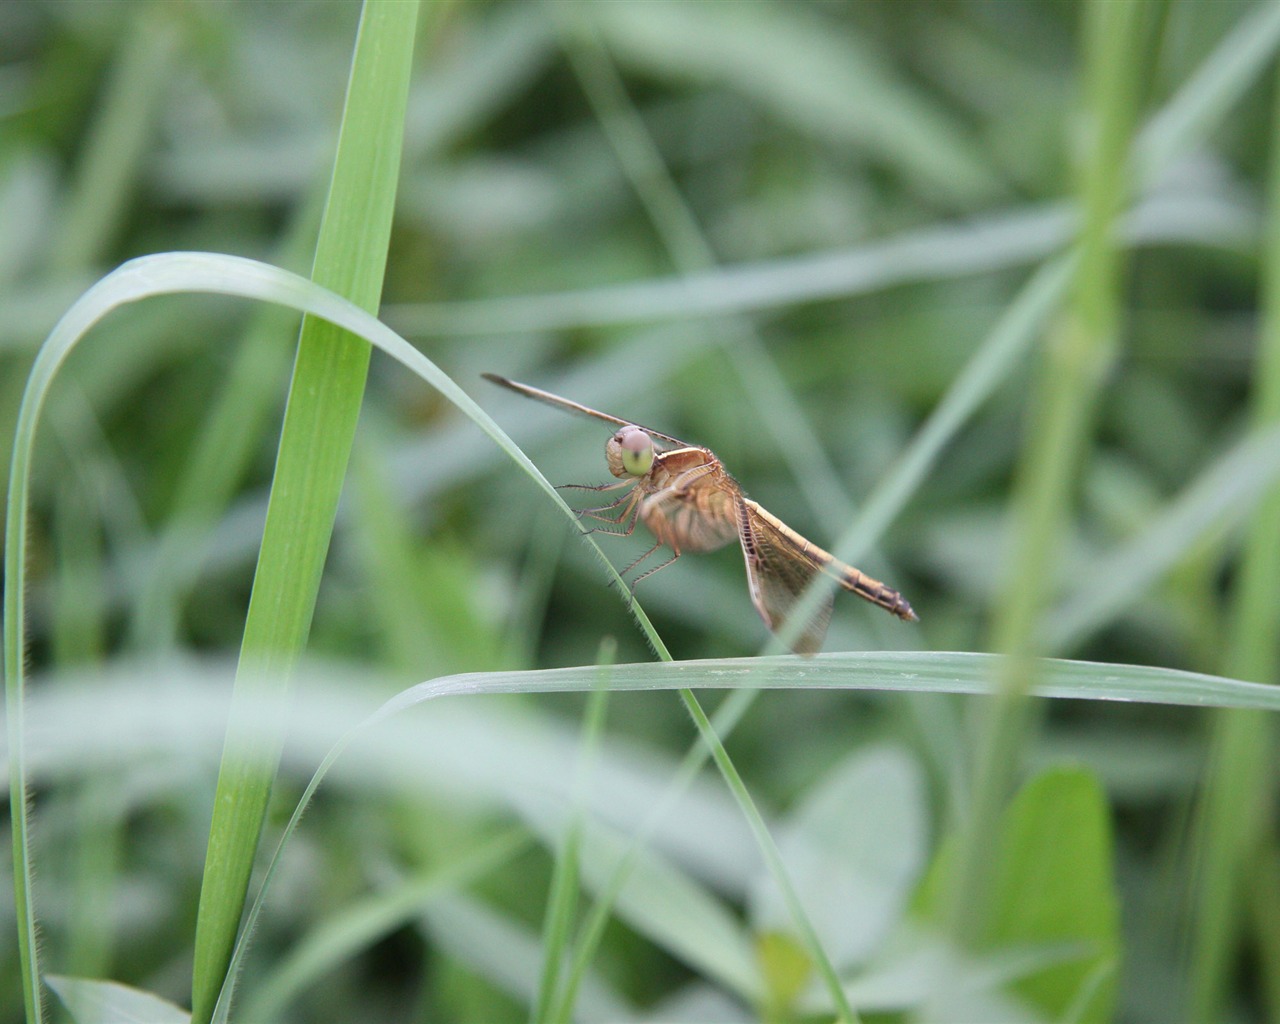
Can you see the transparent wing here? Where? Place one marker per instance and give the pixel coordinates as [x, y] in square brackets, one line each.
[778, 571]
[780, 564]
[529, 391]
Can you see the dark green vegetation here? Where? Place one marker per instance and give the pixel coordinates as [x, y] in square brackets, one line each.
[980, 296]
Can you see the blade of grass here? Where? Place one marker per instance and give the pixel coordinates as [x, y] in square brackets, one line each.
[368, 920]
[724, 721]
[250, 391]
[1080, 348]
[937, 253]
[941, 672]
[188, 718]
[107, 173]
[936, 672]
[315, 444]
[960, 672]
[146, 277]
[1235, 815]
[108, 162]
[562, 897]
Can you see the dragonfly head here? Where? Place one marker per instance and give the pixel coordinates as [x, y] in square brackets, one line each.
[629, 452]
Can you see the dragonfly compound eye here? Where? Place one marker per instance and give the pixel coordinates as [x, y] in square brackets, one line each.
[635, 448]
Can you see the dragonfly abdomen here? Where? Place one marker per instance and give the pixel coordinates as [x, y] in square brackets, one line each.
[874, 591]
[851, 579]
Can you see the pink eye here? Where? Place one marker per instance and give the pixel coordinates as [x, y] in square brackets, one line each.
[637, 450]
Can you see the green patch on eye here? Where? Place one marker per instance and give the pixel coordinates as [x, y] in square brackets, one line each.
[637, 463]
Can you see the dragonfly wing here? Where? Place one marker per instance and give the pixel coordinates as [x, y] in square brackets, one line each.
[537, 394]
[777, 574]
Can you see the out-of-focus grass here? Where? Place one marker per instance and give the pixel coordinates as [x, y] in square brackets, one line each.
[1081, 343]
[818, 239]
[325, 396]
[1235, 848]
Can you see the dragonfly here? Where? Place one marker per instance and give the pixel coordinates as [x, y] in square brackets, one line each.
[690, 503]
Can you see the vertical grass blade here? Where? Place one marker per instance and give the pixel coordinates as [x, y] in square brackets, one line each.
[1078, 351]
[562, 896]
[1234, 810]
[315, 443]
[108, 170]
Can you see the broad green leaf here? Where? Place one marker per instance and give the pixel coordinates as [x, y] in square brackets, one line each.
[1056, 885]
[1053, 890]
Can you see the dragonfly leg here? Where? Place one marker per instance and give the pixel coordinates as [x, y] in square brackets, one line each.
[625, 520]
[595, 487]
[649, 572]
[627, 532]
[681, 483]
[594, 513]
[631, 587]
[637, 561]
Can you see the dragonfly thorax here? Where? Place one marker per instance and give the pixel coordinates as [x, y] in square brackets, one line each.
[629, 452]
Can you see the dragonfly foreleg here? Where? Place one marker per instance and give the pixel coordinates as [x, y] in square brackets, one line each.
[628, 513]
[594, 513]
[595, 487]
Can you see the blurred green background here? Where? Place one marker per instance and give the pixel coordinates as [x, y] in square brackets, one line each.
[879, 182]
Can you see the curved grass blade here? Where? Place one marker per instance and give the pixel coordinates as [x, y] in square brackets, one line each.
[146, 277]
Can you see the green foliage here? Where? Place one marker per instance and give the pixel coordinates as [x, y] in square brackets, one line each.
[325, 395]
[1054, 897]
[87, 999]
[1056, 884]
[966, 293]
